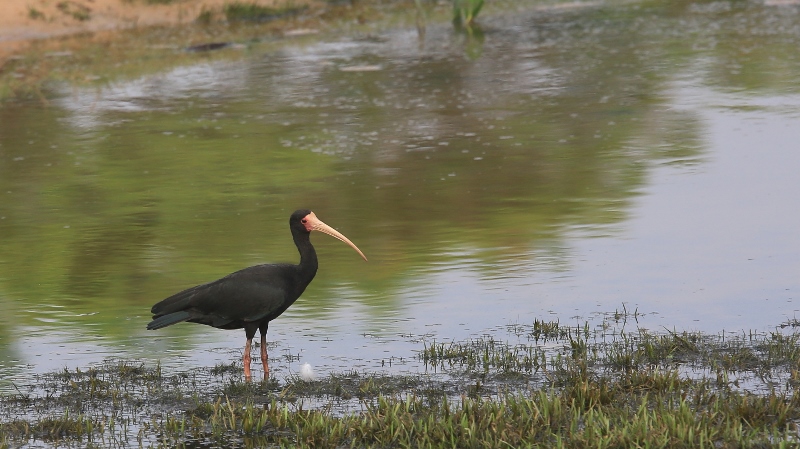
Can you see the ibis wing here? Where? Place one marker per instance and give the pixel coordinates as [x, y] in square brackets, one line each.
[247, 295]
[225, 302]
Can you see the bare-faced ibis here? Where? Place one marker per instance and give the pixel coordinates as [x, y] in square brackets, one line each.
[252, 297]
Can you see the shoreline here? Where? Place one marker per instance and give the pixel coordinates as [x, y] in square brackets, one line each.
[24, 23]
[27, 20]
[48, 41]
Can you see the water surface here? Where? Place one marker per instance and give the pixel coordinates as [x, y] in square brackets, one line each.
[560, 163]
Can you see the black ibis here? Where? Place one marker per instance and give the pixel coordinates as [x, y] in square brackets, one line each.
[252, 297]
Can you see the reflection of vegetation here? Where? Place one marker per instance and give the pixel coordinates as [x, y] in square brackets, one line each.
[473, 42]
[440, 160]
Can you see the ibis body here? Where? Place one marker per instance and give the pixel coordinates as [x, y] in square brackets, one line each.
[252, 297]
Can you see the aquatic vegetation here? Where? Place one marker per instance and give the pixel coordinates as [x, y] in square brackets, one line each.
[482, 355]
[559, 386]
[465, 11]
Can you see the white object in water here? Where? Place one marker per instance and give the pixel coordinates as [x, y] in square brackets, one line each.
[307, 373]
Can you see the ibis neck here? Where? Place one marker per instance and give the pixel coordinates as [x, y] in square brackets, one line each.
[308, 257]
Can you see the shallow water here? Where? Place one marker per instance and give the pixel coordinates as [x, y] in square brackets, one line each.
[560, 164]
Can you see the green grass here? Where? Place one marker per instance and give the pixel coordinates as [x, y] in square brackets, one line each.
[555, 386]
[75, 10]
[35, 14]
[252, 12]
[466, 11]
[154, 2]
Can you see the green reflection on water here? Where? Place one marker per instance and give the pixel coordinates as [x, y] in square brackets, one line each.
[553, 128]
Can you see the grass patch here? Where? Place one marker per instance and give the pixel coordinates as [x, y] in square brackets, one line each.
[154, 2]
[75, 10]
[252, 12]
[35, 14]
[581, 389]
[205, 17]
[466, 11]
[484, 355]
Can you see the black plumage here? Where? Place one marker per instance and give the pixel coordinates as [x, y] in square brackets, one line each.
[252, 297]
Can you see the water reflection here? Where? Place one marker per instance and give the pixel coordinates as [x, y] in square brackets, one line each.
[587, 158]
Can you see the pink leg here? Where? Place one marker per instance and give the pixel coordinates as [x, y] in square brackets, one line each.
[264, 356]
[246, 360]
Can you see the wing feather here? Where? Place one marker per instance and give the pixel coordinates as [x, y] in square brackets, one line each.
[252, 294]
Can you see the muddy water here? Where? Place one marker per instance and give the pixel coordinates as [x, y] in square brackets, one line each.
[559, 163]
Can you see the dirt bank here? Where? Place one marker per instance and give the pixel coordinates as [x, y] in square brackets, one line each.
[24, 20]
[35, 19]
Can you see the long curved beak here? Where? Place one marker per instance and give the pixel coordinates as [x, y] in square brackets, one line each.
[318, 225]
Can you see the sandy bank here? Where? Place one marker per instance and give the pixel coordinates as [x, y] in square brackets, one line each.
[35, 19]
[22, 21]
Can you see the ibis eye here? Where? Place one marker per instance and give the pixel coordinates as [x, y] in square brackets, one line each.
[305, 220]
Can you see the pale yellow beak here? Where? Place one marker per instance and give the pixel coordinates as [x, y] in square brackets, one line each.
[315, 224]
